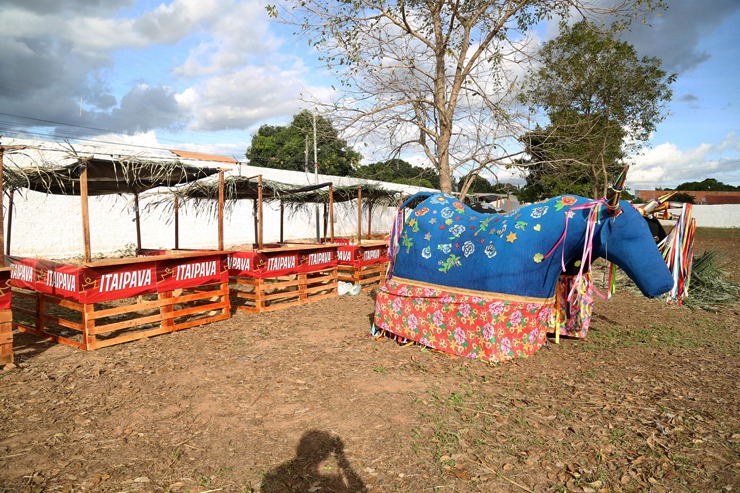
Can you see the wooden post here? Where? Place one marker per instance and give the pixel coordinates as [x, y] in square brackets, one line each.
[137, 218]
[256, 225]
[259, 211]
[282, 215]
[369, 219]
[221, 210]
[326, 219]
[2, 192]
[177, 222]
[10, 220]
[359, 215]
[331, 212]
[88, 326]
[85, 214]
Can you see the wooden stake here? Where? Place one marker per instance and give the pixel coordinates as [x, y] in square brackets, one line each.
[259, 211]
[331, 212]
[325, 214]
[177, 223]
[2, 191]
[369, 219]
[359, 215]
[282, 215]
[221, 210]
[10, 220]
[2, 220]
[85, 214]
[138, 222]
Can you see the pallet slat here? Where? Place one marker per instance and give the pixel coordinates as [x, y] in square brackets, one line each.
[285, 291]
[50, 314]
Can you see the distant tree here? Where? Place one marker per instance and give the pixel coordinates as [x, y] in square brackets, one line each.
[602, 102]
[707, 185]
[684, 197]
[476, 184]
[284, 147]
[398, 171]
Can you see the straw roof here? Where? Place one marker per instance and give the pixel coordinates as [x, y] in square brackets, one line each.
[106, 176]
[202, 196]
[371, 195]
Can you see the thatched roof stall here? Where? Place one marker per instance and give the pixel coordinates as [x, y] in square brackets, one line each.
[368, 196]
[201, 196]
[93, 175]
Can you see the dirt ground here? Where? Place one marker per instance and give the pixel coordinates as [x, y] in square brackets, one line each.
[304, 400]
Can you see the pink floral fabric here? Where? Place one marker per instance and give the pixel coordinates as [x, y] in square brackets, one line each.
[488, 328]
[574, 317]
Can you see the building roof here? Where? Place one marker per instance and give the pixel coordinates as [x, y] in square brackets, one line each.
[203, 157]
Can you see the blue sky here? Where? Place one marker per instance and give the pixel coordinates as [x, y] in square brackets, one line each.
[205, 74]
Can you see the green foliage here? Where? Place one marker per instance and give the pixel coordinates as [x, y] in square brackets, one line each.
[706, 185]
[284, 147]
[602, 101]
[398, 171]
[684, 197]
[478, 185]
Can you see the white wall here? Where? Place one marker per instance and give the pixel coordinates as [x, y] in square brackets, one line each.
[717, 216]
[51, 226]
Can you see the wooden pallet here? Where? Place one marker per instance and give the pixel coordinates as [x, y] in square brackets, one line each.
[97, 325]
[263, 295]
[6, 337]
[367, 276]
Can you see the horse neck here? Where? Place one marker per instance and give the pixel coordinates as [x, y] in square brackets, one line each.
[575, 239]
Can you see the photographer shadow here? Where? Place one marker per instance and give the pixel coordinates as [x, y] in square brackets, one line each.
[319, 465]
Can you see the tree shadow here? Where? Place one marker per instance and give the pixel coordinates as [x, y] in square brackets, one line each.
[319, 465]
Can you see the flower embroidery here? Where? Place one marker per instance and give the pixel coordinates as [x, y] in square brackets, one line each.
[468, 248]
[422, 211]
[446, 213]
[459, 335]
[445, 247]
[565, 201]
[490, 250]
[426, 252]
[456, 230]
[538, 212]
[458, 206]
[452, 261]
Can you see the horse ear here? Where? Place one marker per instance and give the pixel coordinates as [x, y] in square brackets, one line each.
[615, 193]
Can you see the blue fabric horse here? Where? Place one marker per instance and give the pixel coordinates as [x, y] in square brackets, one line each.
[446, 243]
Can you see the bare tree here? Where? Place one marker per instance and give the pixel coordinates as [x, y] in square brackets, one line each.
[433, 76]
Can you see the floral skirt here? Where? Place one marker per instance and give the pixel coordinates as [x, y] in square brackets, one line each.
[488, 326]
[574, 317]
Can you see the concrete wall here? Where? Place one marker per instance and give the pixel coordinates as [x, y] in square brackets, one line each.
[51, 226]
[717, 216]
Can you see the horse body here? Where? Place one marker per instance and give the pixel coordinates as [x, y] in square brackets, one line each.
[446, 243]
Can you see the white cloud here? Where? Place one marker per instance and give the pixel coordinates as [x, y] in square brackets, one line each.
[666, 165]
